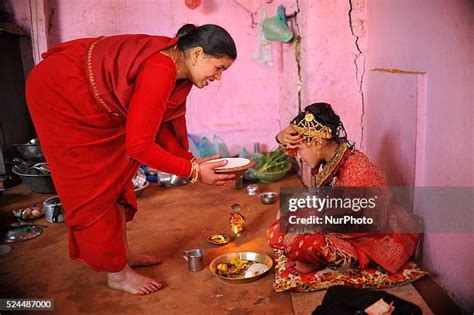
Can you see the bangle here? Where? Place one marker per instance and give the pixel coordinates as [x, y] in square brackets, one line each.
[278, 141]
[194, 176]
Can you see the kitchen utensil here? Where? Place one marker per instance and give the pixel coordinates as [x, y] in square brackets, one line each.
[268, 198]
[250, 256]
[53, 210]
[195, 259]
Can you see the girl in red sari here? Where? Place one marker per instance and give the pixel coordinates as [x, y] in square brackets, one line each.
[317, 136]
[101, 106]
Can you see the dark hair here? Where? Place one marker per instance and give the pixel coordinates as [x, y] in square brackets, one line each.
[324, 114]
[214, 40]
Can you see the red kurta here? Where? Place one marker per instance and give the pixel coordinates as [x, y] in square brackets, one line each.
[101, 106]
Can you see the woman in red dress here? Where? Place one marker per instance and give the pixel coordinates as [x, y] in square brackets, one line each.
[101, 106]
[318, 137]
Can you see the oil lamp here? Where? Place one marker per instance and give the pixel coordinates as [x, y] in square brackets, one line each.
[236, 220]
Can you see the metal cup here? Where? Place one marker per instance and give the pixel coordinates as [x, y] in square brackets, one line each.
[195, 259]
[239, 182]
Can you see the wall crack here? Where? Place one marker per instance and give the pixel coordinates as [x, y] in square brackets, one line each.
[298, 55]
[360, 71]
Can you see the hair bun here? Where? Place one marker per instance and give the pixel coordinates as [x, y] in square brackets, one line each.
[186, 29]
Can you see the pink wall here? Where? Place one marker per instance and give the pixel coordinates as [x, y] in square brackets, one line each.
[252, 101]
[406, 121]
[419, 126]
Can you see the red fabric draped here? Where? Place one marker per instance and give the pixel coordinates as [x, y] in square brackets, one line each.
[94, 143]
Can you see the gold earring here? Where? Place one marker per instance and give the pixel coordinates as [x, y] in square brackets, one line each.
[194, 63]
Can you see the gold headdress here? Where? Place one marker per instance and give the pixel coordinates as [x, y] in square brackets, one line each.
[310, 128]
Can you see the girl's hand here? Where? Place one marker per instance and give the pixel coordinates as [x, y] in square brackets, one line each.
[289, 137]
[207, 175]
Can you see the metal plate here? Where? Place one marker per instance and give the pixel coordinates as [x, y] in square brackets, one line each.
[5, 249]
[218, 239]
[21, 234]
[250, 256]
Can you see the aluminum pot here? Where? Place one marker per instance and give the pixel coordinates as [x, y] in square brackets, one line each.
[53, 210]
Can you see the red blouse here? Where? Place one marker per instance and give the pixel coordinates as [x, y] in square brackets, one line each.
[156, 93]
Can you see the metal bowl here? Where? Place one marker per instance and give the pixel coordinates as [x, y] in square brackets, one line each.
[251, 256]
[170, 180]
[268, 198]
[40, 183]
[139, 190]
[252, 189]
[226, 239]
[30, 151]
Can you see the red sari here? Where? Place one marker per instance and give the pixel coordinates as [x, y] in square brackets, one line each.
[391, 251]
[101, 106]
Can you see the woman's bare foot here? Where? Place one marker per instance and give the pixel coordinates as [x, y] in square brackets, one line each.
[137, 260]
[299, 268]
[129, 281]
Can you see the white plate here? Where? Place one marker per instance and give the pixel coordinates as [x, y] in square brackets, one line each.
[231, 163]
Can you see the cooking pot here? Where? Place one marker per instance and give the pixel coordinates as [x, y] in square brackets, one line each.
[53, 210]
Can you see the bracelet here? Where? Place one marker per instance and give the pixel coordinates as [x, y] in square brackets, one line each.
[278, 141]
[194, 176]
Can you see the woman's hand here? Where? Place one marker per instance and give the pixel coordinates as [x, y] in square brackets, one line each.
[289, 137]
[206, 171]
[207, 158]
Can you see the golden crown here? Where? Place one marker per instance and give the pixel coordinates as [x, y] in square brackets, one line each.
[310, 128]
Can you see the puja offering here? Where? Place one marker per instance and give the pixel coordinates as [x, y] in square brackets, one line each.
[235, 166]
[268, 198]
[29, 213]
[236, 220]
[241, 267]
[219, 239]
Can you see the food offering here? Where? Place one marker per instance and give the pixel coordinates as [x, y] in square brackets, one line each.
[29, 213]
[241, 267]
[218, 239]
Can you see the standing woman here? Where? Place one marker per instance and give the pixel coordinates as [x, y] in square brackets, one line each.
[101, 106]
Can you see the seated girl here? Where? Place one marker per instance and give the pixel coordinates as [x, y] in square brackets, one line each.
[317, 260]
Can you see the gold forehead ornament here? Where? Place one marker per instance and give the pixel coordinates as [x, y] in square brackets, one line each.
[310, 128]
